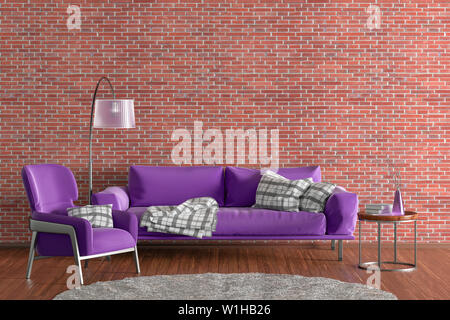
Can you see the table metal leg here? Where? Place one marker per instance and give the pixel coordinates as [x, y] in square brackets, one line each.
[395, 262]
[415, 243]
[395, 242]
[379, 245]
[359, 243]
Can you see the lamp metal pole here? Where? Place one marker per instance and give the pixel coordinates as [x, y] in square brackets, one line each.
[90, 130]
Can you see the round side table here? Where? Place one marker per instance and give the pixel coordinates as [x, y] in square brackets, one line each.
[409, 216]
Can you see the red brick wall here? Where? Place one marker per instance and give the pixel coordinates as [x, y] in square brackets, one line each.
[343, 96]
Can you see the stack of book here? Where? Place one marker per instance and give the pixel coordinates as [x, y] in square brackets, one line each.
[381, 208]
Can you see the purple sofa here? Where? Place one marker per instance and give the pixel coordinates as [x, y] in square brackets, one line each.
[234, 189]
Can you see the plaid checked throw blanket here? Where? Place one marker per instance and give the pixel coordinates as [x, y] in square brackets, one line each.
[195, 217]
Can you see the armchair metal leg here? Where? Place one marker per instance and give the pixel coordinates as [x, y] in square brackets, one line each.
[333, 244]
[78, 263]
[76, 255]
[31, 255]
[136, 260]
[43, 226]
[48, 227]
[340, 249]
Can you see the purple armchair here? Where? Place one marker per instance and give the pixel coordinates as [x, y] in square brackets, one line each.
[51, 189]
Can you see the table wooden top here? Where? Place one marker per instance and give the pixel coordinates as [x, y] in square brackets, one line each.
[409, 216]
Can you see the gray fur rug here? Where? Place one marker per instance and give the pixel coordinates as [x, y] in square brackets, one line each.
[217, 286]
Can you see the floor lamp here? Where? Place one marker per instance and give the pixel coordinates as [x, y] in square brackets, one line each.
[108, 114]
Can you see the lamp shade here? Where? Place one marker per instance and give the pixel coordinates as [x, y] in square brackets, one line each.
[114, 113]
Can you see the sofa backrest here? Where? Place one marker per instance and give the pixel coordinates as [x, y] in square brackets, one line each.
[241, 183]
[155, 186]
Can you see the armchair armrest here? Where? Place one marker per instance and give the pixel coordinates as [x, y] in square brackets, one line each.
[117, 196]
[125, 221]
[341, 211]
[82, 227]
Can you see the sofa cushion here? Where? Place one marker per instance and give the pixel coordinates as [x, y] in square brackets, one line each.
[111, 239]
[160, 186]
[275, 192]
[315, 198]
[234, 221]
[100, 216]
[241, 183]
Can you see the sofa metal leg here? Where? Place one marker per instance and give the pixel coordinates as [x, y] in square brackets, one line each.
[333, 244]
[31, 255]
[136, 260]
[340, 249]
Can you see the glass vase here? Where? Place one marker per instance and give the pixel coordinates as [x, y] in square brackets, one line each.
[397, 207]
